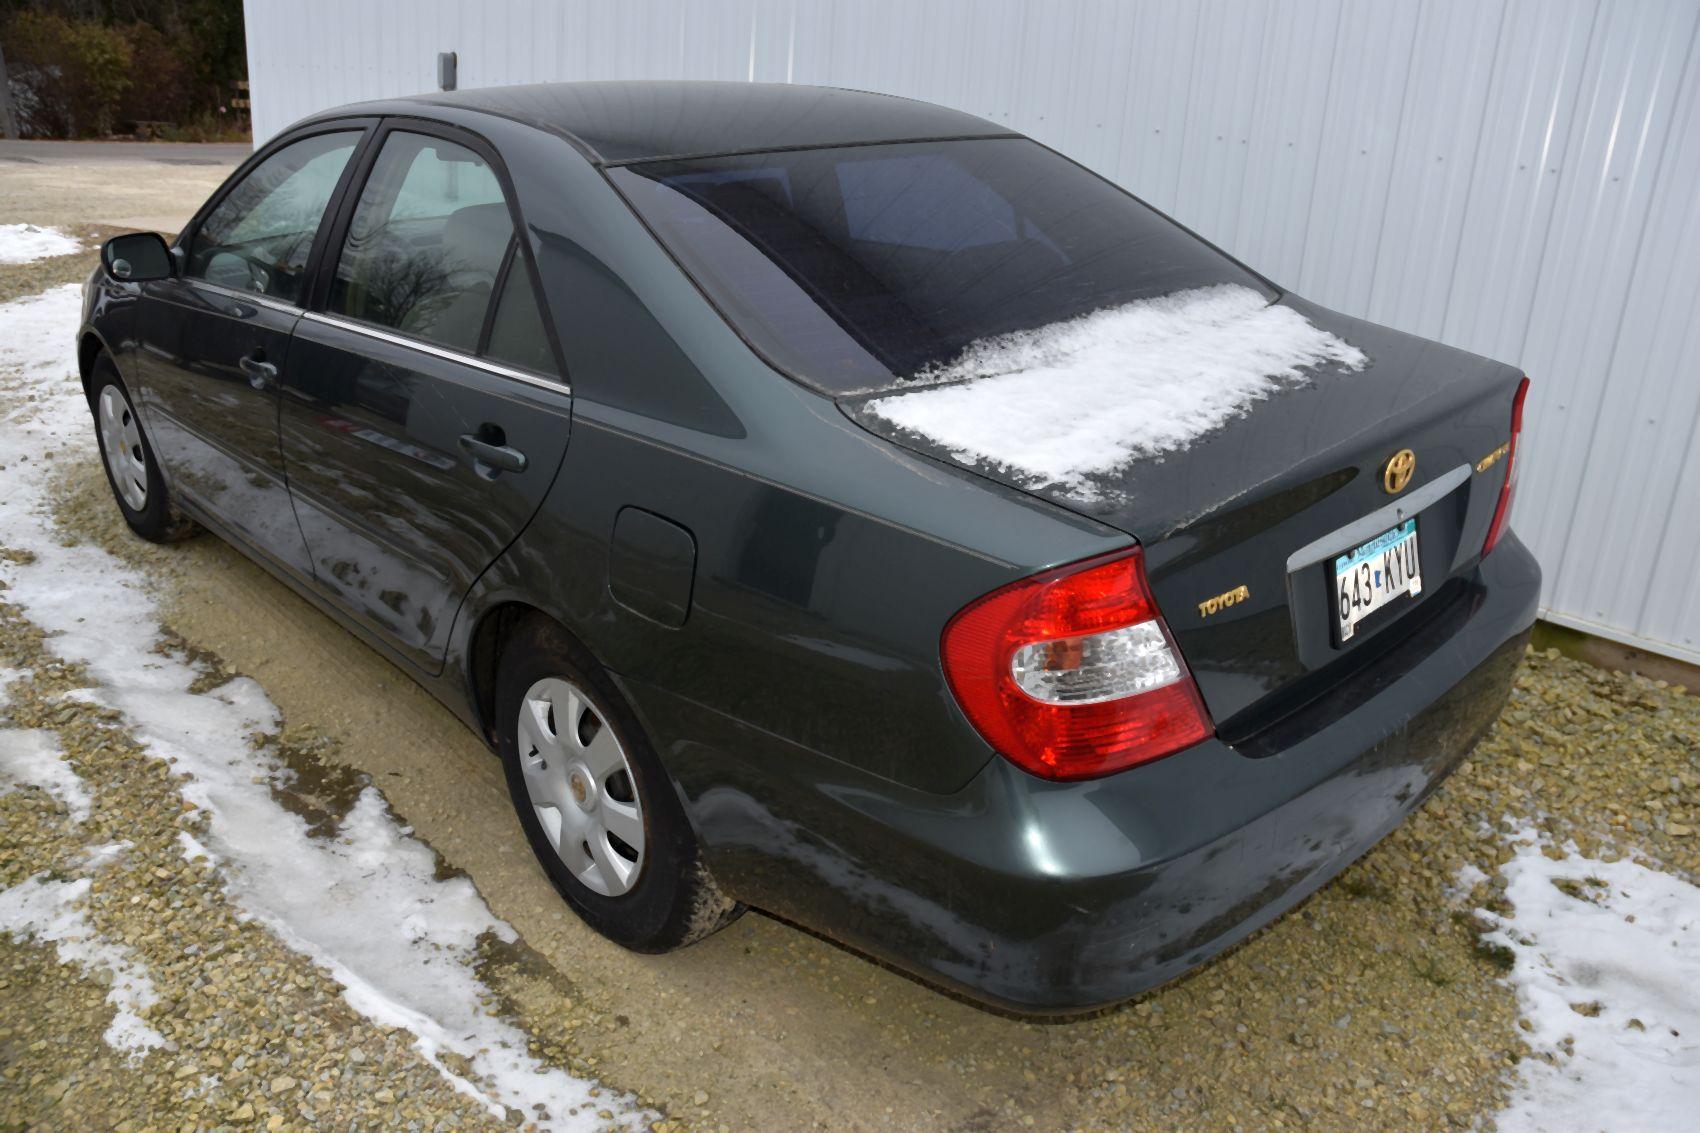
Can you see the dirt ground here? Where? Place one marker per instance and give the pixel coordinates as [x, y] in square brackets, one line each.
[153, 186]
[1371, 1006]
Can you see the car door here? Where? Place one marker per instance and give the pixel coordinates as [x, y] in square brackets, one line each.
[213, 339]
[424, 415]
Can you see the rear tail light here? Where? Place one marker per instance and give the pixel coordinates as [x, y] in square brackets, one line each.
[1502, 511]
[1072, 673]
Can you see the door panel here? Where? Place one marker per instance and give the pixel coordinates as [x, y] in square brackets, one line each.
[212, 419]
[400, 519]
[414, 460]
[213, 342]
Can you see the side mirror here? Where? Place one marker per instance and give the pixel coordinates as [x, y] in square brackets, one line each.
[137, 256]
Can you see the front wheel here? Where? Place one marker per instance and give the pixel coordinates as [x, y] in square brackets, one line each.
[595, 803]
[131, 468]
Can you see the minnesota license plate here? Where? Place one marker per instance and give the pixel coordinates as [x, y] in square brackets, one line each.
[1369, 577]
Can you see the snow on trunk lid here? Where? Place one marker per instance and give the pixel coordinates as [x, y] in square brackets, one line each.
[1068, 405]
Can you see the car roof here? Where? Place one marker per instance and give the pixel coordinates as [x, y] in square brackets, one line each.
[642, 120]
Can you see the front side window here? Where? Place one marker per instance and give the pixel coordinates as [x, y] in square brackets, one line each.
[857, 268]
[259, 236]
[425, 243]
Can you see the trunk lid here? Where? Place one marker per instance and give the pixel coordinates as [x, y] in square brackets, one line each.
[1254, 511]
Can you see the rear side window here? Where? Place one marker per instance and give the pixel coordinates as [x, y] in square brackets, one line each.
[258, 237]
[425, 243]
[855, 269]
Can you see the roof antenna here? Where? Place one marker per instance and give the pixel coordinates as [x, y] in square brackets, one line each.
[448, 62]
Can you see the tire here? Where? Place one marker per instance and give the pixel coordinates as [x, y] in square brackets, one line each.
[132, 471]
[616, 843]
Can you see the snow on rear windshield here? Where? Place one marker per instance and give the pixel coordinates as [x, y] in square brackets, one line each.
[856, 269]
[1068, 403]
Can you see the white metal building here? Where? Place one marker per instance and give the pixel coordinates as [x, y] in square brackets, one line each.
[1520, 178]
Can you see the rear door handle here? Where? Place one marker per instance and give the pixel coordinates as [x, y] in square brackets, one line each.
[260, 372]
[489, 460]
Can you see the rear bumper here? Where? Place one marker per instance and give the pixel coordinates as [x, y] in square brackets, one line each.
[1059, 897]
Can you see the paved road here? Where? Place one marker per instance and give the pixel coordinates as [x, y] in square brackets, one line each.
[34, 152]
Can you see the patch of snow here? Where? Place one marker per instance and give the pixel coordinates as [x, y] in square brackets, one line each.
[38, 345]
[96, 856]
[193, 847]
[22, 243]
[1610, 980]
[1084, 398]
[32, 757]
[51, 912]
[367, 907]
[1469, 876]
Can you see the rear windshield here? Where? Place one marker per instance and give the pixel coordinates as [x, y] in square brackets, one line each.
[856, 269]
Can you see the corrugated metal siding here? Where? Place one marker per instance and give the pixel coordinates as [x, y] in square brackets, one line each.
[1519, 178]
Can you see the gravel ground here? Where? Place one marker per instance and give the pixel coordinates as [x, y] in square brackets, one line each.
[254, 1033]
[1374, 1005]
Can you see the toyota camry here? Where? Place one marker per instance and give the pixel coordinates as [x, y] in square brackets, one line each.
[840, 505]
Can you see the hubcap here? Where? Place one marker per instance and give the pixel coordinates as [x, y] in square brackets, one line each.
[121, 439]
[581, 787]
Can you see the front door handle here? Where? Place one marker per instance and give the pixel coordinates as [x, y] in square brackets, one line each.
[491, 459]
[260, 372]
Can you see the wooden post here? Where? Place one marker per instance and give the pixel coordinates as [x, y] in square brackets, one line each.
[8, 116]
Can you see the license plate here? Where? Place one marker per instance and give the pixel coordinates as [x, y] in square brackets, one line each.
[1367, 578]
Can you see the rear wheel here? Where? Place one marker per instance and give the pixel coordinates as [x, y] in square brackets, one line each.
[595, 803]
[131, 470]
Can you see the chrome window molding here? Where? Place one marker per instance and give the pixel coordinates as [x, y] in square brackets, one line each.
[252, 296]
[553, 384]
